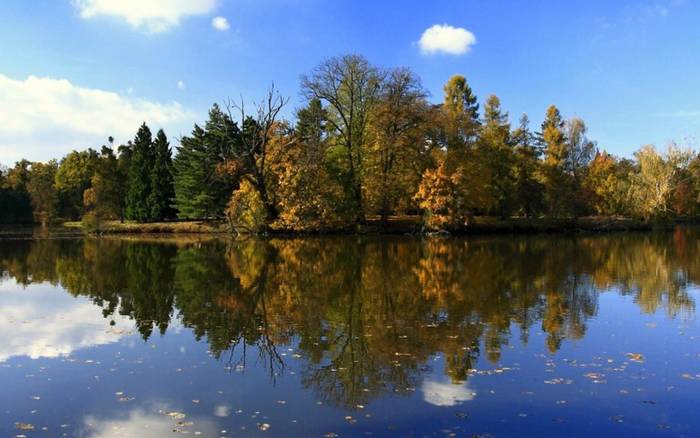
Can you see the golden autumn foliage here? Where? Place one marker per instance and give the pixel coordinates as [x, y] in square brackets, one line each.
[367, 142]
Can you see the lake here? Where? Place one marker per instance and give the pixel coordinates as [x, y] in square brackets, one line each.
[351, 336]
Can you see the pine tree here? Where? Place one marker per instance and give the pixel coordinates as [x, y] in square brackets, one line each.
[204, 172]
[139, 181]
[162, 190]
[192, 171]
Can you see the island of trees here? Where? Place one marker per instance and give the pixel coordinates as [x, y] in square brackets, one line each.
[366, 145]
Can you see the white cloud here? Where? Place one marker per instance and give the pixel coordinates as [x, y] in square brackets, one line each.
[44, 118]
[153, 15]
[220, 23]
[180, 85]
[446, 393]
[446, 39]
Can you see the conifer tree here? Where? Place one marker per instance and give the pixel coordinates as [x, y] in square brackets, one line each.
[162, 190]
[557, 183]
[529, 192]
[204, 172]
[462, 111]
[191, 173]
[139, 181]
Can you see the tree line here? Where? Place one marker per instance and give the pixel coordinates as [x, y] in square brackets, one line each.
[366, 143]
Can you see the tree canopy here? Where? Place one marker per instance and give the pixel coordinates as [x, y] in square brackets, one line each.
[367, 142]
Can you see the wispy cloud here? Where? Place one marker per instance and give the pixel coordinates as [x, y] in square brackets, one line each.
[152, 15]
[443, 38]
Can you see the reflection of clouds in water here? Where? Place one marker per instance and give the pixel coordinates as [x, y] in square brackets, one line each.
[140, 423]
[445, 393]
[44, 321]
[222, 411]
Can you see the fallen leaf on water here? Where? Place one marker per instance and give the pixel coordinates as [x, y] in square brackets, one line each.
[24, 426]
[559, 381]
[176, 415]
[263, 427]
[635, 357]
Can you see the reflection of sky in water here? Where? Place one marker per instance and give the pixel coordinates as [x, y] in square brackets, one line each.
[157, 421]
[446, 393]
[63, 367]
[117, 385]
[45, 321]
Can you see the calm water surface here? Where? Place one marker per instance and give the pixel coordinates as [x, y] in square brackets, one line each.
[500, 336]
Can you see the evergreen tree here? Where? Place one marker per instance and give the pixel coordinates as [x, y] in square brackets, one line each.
[162, 190]
[204, 173]
[139, 181]
[222, 143]
[193, 170]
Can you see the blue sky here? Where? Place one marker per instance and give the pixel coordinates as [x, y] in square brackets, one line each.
[73, 72]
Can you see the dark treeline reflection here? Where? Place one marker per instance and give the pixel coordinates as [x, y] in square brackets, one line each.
[367, 313]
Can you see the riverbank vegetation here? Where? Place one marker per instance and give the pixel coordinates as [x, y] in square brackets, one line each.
[366, 146]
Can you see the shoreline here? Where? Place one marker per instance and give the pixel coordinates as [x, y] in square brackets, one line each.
[403, 225]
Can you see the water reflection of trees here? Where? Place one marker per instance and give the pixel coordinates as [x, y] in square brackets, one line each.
[366, 314]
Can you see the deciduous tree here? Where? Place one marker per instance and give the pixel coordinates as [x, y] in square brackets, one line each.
[351, 87]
